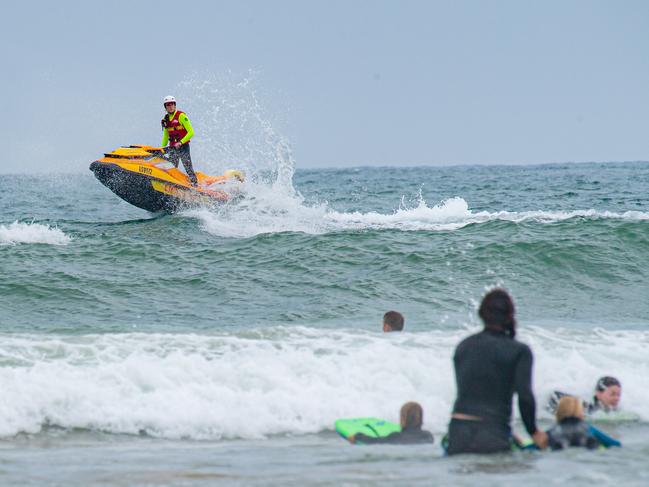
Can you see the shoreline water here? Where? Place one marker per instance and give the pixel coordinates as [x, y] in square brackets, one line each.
[91, 459]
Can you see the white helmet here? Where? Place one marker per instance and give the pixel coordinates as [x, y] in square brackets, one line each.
[169, 99]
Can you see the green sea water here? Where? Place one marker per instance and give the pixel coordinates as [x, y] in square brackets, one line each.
[246, 329]
[570, 242]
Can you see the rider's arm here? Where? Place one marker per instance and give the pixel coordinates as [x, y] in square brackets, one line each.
[523, 387]
[165, 137]
[184, 121]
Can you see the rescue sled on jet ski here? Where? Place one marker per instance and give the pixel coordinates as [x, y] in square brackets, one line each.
[143, 177]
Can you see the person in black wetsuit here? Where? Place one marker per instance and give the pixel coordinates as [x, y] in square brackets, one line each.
[571, 429]
[490, 367]
[412, 417]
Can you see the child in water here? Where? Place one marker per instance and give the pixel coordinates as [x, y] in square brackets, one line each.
[606, 398]
[412, 417]
[571, 429]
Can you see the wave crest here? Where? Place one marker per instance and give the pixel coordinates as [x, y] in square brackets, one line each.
[264, 210]
[31, 233]
[277, 381]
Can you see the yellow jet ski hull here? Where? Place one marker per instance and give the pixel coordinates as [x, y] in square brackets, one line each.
[141, 176]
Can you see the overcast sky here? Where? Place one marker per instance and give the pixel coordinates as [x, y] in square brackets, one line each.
[347, 83]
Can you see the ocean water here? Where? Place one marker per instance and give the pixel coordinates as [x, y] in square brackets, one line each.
[218, 345]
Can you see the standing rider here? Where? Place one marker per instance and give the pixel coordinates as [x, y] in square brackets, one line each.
[177, 131]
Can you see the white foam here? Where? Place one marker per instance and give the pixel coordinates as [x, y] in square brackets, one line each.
[29, 233]
[237, 131]
[280, 381]
[264, 209]
[450, 214]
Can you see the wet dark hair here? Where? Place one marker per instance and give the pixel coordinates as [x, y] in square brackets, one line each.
[412, 416]
[497, 311]
[394, 319]
[605, 382]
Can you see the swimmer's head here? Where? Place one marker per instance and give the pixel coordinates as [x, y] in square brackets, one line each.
[393, 321]
[608, 392]
[569, 407]
[497, 311]
[412, 416]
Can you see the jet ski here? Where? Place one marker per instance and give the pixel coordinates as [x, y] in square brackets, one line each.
[142, 176]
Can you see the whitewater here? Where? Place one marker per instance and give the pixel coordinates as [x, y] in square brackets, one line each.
[268, 382]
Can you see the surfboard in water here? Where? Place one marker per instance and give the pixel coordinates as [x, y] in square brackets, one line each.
[373, 427]
[604, 440]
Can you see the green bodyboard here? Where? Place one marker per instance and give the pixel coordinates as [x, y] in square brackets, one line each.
[374, 427]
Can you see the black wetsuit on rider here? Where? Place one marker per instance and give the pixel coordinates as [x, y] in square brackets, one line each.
[490, 367]
[571, 432]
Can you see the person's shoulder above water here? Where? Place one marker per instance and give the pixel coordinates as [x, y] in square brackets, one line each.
[393, 321]
[571, 432]
[397, 438]
[493, 339]
[553, 400]
[416, 436]
[411, 421]
[570, 429]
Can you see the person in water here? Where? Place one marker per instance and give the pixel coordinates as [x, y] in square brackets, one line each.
[571, 429]
[412, 417]
[490, 367]
[608, 392]
[393, 321]
[177, 131]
